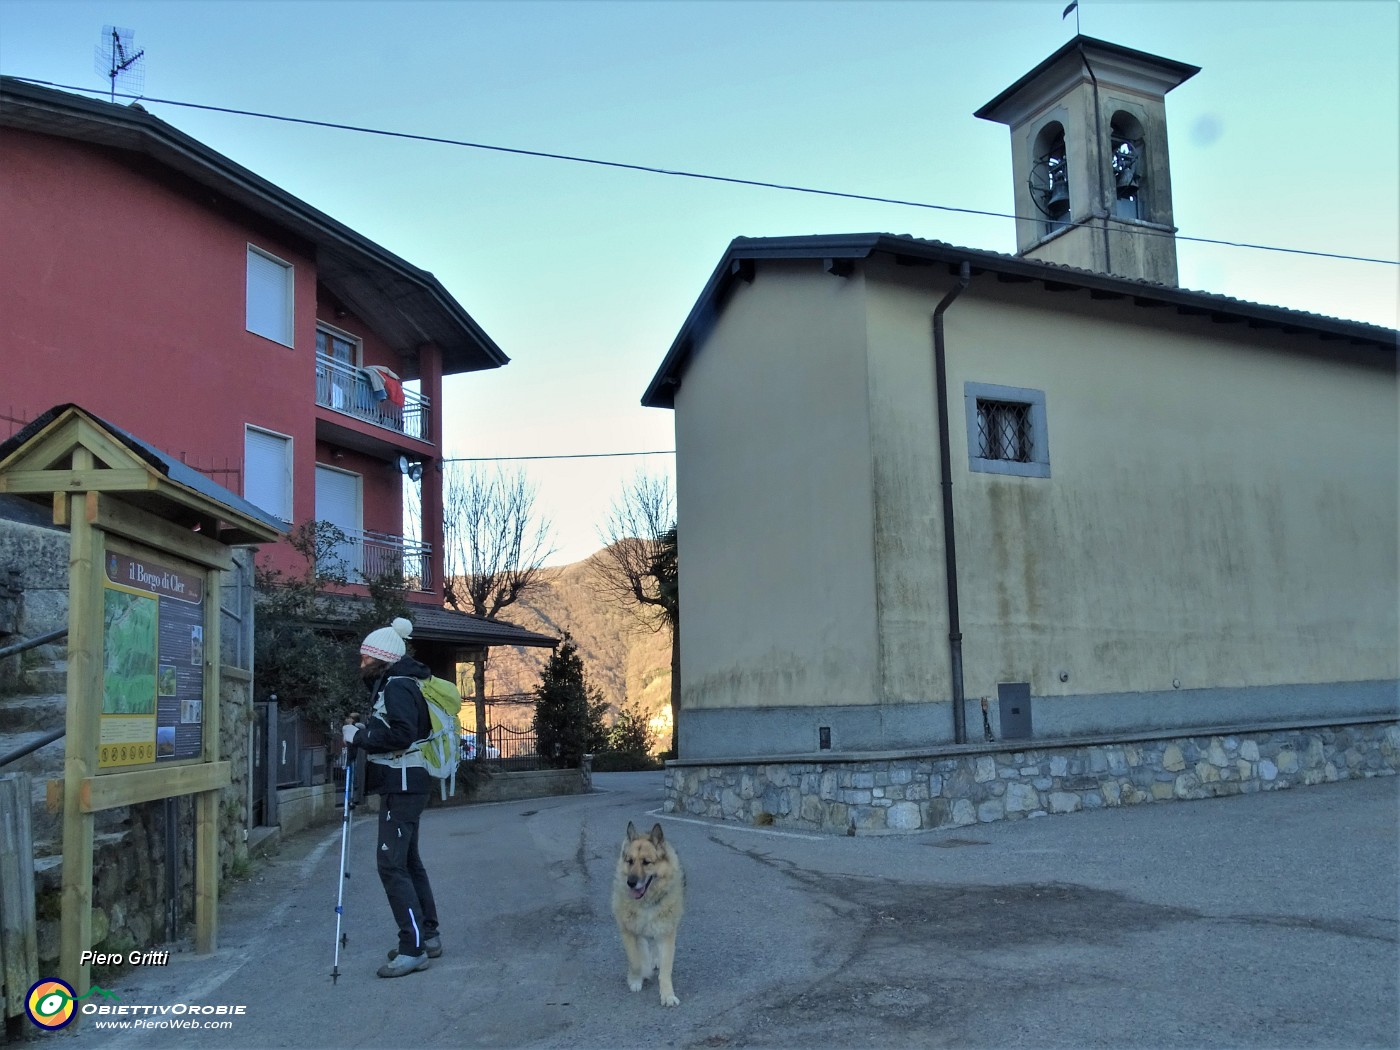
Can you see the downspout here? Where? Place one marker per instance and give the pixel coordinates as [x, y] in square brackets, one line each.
[945, 464]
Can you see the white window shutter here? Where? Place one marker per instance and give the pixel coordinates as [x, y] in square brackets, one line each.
[338, 501]
[269, 297]
[338, 498]
[267, 472]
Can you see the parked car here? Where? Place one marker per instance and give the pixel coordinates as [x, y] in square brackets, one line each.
[469, 748]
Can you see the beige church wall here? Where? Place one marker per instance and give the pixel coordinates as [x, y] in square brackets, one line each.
[908, 551]
[773, 490]
[1220, 513]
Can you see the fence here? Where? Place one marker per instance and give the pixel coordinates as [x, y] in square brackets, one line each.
[512, 745]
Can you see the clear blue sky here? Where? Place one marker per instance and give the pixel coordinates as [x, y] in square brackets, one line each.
[1287, 137]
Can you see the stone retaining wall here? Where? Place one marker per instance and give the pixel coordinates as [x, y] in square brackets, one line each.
[534, 783]
[955, 787]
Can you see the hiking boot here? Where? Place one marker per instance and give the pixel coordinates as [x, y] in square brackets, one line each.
[403, 964]
[433, 946]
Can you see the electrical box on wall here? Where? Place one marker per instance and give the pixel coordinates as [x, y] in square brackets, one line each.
[1015, 701]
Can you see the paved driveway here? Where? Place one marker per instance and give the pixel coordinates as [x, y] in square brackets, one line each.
[1256, 921]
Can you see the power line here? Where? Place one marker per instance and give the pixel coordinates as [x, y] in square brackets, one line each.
[569, 455]
[649, 169]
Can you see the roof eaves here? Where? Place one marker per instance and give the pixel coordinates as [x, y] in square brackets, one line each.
[661, 391]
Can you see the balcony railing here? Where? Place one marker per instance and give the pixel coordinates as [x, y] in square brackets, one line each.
[366, 555]
[347, 389]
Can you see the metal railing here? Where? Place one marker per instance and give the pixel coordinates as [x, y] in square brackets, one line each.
[347, 389]
[48, 738]
[368, 555]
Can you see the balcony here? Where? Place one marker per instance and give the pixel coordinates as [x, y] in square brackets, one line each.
[365, 555]
[343, 388]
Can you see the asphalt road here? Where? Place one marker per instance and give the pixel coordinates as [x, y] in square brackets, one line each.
[1267, 920]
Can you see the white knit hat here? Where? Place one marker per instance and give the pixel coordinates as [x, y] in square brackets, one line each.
[387, 643]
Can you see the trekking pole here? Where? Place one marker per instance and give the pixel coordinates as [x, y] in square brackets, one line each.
[340, 938]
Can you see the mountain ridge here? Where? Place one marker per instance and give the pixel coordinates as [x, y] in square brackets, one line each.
[624, 659]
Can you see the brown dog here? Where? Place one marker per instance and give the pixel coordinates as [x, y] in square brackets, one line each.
[648, 900]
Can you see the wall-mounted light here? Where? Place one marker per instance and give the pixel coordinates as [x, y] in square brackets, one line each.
[410, 468]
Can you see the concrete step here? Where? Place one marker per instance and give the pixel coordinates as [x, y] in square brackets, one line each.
[37, 712]
[45, 762]
[47, 679]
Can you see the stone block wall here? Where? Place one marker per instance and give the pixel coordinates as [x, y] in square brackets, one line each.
[235, 746]
[956, 787]
[38, 559]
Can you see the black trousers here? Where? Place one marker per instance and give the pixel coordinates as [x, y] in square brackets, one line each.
[402, 873]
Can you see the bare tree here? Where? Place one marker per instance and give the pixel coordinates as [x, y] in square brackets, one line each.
[638, 566]
[494, 545]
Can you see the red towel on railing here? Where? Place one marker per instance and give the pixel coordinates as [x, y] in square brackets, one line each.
[393, 386]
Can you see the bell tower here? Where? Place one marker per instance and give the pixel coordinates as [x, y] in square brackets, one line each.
[1089, 159]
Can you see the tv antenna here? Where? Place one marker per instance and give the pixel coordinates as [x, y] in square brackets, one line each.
[116, 56]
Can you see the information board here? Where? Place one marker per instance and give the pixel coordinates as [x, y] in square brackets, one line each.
[152, 661]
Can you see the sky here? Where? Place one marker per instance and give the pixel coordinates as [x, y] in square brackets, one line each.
[1289, 137]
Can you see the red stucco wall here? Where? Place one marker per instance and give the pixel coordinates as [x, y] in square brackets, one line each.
[122, 289]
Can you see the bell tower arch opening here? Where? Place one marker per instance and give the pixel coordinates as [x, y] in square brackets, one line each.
[1049, 178]
[1127, 143]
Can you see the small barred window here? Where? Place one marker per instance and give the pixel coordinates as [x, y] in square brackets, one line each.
[1004, 431]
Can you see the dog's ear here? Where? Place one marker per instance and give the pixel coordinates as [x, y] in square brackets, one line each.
[656, 836]
[631, 831]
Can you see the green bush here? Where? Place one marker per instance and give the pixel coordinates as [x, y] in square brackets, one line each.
[630, 733]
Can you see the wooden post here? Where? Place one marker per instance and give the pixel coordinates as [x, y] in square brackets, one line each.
[206, 842]
[19, 956]
[85, 639]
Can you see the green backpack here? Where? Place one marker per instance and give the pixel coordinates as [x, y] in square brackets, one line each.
[441, 750]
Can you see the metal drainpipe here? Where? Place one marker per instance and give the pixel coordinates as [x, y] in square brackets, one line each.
[945, 463]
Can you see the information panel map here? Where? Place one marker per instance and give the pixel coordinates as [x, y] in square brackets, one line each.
[152, 663]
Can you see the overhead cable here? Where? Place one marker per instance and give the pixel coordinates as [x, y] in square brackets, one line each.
[678, 173]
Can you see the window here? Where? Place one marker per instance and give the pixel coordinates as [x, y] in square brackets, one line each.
[1006, 431]
[269, 297]
[1003, 430]
[267, 471]
[337, 368]
[338, 346]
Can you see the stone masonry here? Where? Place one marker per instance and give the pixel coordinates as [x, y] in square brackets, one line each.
[957, 787]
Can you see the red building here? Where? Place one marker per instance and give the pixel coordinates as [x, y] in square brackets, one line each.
[165, 288]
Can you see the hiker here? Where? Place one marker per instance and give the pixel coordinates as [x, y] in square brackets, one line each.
[400, 717]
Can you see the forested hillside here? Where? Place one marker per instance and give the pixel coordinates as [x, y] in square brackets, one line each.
[623, 657]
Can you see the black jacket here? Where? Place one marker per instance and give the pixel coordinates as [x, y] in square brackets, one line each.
[404, 720]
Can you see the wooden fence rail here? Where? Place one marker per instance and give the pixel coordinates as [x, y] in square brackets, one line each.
[19, 950]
